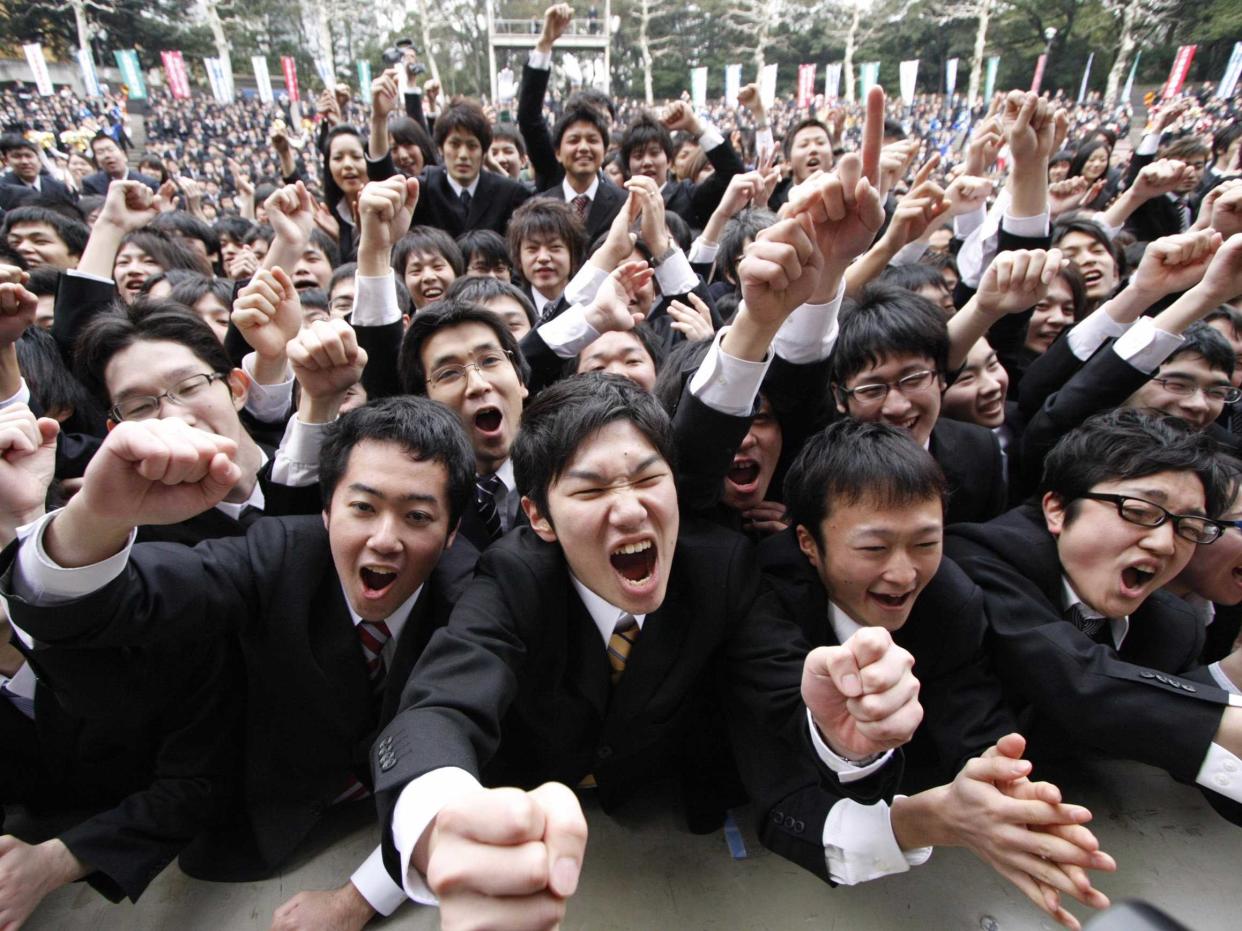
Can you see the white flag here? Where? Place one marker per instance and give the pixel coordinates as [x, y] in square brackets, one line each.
[909, 77]
[767, 85]
[262, 77]
[38, 68]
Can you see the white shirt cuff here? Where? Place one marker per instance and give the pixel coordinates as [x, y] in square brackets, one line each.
[710, 137]
[540, 60]
[269, 403]
[1148, 145]
[417, 807]
[374, 884]
[569, 334]
[726, 383]
[809, 333]
[979, 247]
[375, 301]
[1107, 227]
[675, 276]
[859, 844]
[1145, 346]
[21, 397]
[702, 252]
[1092, 333]
[966, 223]
[909, 254]
[584, 285]
[846, 770]
[1221, 772]
[41, 582]
[1223, 680]
[764, 141]
[74, 273]
[297, 460]
[1029, 227]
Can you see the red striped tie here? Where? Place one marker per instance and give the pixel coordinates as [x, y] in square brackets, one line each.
[373, 635]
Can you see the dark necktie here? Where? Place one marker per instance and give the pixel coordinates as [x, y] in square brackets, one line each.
[465, 201]
[373, 635]
[549, 311]
[1235, 419]
[1097, 628]
[1183, 213]
[23, 704]
[485, 490]
[582, 205]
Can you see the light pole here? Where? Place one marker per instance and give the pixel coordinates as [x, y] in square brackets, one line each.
[1041, 66]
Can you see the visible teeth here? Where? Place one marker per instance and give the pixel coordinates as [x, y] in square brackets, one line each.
[631, 548]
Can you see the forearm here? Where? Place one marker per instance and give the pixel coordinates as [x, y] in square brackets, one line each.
[1121, 209]
[10, 372]
[1028, 189]
[101, 248]
[283, 253]
[966, 327]
[320, 410]
[271, 370]
[377, 142]
[1187, 309]
[1129, 304]
[374, 254]
[748, 339]
[288, 164]
[917, 820]
[869, 266]
[73, 538]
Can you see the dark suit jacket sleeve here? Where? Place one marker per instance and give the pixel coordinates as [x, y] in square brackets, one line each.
[78, 301]
[545, 365]
[381, 375]
[533, 128]
[380, 169]
[129, 845]
[706, 196]
[414, 110]
[1103, 383]
[707, 441]
[1046, 374]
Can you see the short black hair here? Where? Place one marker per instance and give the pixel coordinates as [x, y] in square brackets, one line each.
[1227, 312]
[808, 123]
[582, 113]
[426, 239]
[72, 233]
[479, 289]
[187, 226]
[487, 244]
[168, 252]
[405, 131]
[11, 141]
[639, 134]
[593, 98]
[52, 386]
[546, 216]
[679, 229]
[442, 315]
[468, 117]
[190, 290]
[1200, 339]
[1126, 443]
[568, 413]
[851, 462]
[1223, 138]
[1082, 223]
[912, 276]
[325, 244]
[744, 226]
[647, 339]
[888, 321]
[893, 129]
[102, 136]
[235, 228]
[145, 321]
[509, 133]
[425, 429]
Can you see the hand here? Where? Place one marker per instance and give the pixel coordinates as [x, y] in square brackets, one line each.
[1223, 280]
[268, 312]
[1017, 281]
[862, 695]
[291, 213]
[326, 358]
[766, 517]
[431, 90]
[779, 270]
[1072, 193]
[328, 108]
[611, 308]
[166, 197]
[984, 145]
[384, 90]
[17, 312]
[1031, 127]
[556, 20]
[128, 206]
[243, 264]
[11, 274]
[695, 322]
[192, 191]
[1160, 177]
[28, 873]
[342, 909]
[748, 97]
[245, 187]
[326, 222]
[895, 160]
[743, 191]
[279, 139]
[652, 224]
[343, 96]
[385, 208]
[1175, 263]
[506, 858]
[27, 464]
[680, 115]
[967, 193]
[919, 209]
[1164, 116]
[1225, 208]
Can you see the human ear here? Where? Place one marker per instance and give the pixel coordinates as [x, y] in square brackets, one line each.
[538, 522]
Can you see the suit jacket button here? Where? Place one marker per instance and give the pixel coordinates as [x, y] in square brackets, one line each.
[777, 817]
[386, 765]
[800, 826]
[1164, 679]
[789, 821]
[604, 752]
[1147, 675]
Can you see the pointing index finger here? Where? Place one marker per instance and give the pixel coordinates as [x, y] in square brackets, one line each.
[873, 135]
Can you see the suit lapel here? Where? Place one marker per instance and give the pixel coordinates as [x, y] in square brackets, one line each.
[480, 202]
[587, 671]
[344, 691]
[654, 657]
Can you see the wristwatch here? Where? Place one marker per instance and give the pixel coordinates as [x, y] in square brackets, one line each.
[658, 260]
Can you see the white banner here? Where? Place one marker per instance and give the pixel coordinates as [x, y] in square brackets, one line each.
[733, 83]
[869, 74]
[767, 85]
[38, 68]
[950, 77]
[1086, 76]
[219, 83]
[262, 77]
[89, 77]
[1229, 83]
[832, 80]
[698, 88]
[323, 67]
[909, 77]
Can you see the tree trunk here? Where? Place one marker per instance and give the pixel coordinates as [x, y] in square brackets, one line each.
[847, 63]
[223, 49]
[425, 32]
[644, 49]
[1126, 44]
[981, 42]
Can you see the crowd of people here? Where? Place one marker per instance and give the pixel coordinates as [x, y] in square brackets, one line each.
[455, 467]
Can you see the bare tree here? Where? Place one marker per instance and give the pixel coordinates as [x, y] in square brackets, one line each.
[1141, 21]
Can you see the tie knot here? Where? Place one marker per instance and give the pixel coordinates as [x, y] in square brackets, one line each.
[582, 203]
[1087, 621]
[377, 632]
[489, 485]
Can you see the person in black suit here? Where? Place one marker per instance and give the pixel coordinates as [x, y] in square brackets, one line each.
[547, 245]
[980, 395]
[26, 171]
[1091, 654]
[331, 612]
[110, 160]
[44, 237]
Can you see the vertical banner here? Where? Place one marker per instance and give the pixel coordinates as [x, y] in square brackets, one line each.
[1229, 83]
[1038, 79]
[698, 88]
[1129, 88]
[131, 73]
[806, 85]
[869, 76]
[990, 83]
[909, 77]
[174, 70]
[290, 68]
[832, 80]
[767, 85]
[505, 89]
[38, 68]
[212, 65]
[89, 76]
[323, 68]
[1086, 76]
[950, 77]
[262, 78]
[364, 80]
[733, 84]
[1177, 74]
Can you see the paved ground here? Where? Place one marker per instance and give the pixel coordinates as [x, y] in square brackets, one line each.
[644, 871]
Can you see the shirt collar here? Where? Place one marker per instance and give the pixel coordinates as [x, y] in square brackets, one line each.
[540, 301]
[395, 621]
[457, 188]
[570, 193]
[1118, 626]
[842, 624]
[602, 613]
[505, 474]
[234, 509]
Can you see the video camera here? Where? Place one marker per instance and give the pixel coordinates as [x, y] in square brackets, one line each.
[395, 55]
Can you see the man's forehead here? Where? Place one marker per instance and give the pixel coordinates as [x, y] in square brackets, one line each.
[462, 339]
[901, 362]
[618, 448]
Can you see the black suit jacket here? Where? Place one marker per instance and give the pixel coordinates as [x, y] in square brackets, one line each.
[946, 633]
[970, 456]
[493, 203]
[516, 689]
[1149, 701]
[311, 714]
[1153, 218]
[99, 182]
[607, 203]
[50, 190]
[695, 203]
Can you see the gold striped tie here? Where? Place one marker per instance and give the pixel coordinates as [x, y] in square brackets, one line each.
[624, 635]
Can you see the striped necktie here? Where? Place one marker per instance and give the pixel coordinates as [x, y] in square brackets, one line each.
[485, 497]
[622, 641]
[1097, 628]
[581, 205]
[373, 635]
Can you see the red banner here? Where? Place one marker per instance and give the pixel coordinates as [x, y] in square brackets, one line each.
[1177, 74]
[290, 68]
[178, 78]
[806, 85]
[1039, 74]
